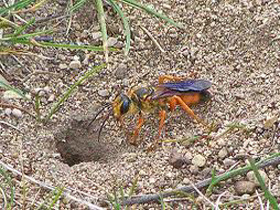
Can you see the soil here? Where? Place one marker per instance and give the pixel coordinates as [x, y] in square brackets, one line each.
[235, 45]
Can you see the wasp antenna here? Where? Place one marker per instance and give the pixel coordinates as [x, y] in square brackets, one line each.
[103, 123]
[98, 113]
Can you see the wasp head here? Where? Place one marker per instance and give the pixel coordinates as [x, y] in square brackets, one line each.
[121, 105]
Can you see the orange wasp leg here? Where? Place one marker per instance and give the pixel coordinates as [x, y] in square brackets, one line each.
[177, 100]
[137, 130]
[162, 114]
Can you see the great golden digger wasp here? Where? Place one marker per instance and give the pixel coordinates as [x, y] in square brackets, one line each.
[170, 92]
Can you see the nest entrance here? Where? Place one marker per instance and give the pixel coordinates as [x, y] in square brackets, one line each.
[78, 143]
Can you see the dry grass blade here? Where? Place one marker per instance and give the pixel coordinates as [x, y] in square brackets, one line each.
[102, 22]
[203, 196]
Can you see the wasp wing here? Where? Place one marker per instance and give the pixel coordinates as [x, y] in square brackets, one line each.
[179, 88]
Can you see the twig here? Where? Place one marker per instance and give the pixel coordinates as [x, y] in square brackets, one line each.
[218, 201]
[48, 187]
[4, 198]
[12, 126]
[188, 189]
[260, 200]
[16, 107]
[201, 194]
[70, 19]
[152, 38]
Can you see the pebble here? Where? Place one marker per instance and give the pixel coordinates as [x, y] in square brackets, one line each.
[121, 71]
[111, 42]
[245, 187]
[177, 162]
[75, 64]
[51, 98]
[186, 181]
[63, 66]
[229, 162]
[17, 113]
[103, 93]
[8, 111]
[166, 6]
[96, 35]
[251, 177]
[199, 161]
[193, 169]
[152, 180]
[223, 153]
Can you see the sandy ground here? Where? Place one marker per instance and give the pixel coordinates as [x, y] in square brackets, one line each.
[235, 45]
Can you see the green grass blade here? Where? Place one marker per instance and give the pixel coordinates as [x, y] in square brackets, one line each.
[267, 194]
[71, 89]
[13, 89]
[58, 193]
[77, 5]
[25, 36]
[137, 5]
[102, 22]
[19, 30]
[133, 187]
[8, 180]
[126, 26]
[19, 5]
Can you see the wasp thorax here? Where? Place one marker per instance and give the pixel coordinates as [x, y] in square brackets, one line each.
[121, 105]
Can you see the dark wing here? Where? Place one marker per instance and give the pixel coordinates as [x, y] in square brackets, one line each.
[179, 88]
[187, 85]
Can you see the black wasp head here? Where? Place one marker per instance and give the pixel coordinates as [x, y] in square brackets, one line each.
[125, 104]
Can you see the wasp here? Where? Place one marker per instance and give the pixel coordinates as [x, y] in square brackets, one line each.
[170, 92]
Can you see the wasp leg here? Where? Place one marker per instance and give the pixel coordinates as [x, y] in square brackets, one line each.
[177, 100]
[162, 114]
[137, 130]
[162, 78]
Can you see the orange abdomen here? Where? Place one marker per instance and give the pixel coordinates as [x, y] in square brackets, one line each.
[191, 98]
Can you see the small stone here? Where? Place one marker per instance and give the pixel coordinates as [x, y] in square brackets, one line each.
[152, 180]
[96, 35]
[121, 71]
[103, 93]
[8, 111]
[63, 66]
[142, 173]
[76, 58]
[206, 172]
[176, 160]
[223, 153]
[251, 177]
[125, 82]
[75, 64]
[51, 98]
[193, 169]
[229, 162]
[199, 161]
[111, 42]
[169, 174]
[17, 113]
[166, 6]
[186, 181]
[245, 196]
[245, 187]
